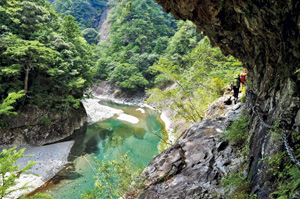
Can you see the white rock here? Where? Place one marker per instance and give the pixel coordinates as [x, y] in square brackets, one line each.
[97, 112]
[46, 168]
[128, 118]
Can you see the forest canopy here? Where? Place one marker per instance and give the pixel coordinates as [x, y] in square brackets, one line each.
[42, 54]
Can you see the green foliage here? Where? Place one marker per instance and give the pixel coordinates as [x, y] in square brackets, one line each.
[241, 186]
[71, 28]
[243, 99]
[45, 120]
[139, 35]
[200, 76]
[113, 178]
[283, 170]
[129, 77]
[86, 12]
[287, 187]
[90, 35]
[10, 171]
[161, 81]
[6, 106]
[185, 39]
[43, 55]
[236, 183]
[37, 196]
[237, 132]
[276, 133]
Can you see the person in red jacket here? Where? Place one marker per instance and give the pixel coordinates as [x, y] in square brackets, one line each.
[243, 77]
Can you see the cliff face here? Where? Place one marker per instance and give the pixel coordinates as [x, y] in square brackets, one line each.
[35, 126]
[194, 166]
[264, 35]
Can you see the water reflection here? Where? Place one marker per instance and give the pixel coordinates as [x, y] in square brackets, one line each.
[107, 139]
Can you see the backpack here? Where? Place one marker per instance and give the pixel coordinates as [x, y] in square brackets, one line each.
[235, 82]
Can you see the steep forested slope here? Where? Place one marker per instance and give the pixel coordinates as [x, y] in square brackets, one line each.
[42, 54]
[86, 12]
[138, 36]
[46, 57]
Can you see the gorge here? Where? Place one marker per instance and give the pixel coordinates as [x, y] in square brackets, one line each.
[56, 59]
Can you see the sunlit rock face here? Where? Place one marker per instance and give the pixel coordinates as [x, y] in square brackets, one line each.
[264, 35]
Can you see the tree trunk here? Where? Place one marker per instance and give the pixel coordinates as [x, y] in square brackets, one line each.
[27, 69]
[264, 35]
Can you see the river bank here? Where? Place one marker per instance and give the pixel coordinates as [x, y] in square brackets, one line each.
[108, 91]
[134, 128]
[50, 161]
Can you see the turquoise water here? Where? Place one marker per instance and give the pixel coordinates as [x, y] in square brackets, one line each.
[109, 139]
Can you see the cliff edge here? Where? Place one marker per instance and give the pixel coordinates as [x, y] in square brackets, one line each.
[194, 166]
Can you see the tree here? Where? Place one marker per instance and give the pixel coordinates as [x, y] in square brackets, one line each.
[90, 35]
[43, 55]
[185, 39]
[24, 17]
[129, 77]
[71, 28]
[114, 178]
[200, 78]
[28, 55]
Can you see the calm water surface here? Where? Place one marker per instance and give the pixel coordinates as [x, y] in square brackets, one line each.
[99, 141]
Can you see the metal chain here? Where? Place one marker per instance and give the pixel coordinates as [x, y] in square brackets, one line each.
[255, 110]
[288, 148]
[283, 124]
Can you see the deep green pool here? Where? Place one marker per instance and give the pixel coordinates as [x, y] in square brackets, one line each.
[99, 141]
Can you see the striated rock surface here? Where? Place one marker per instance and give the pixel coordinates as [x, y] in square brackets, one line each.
[33, 126]
[50, 160]
[193, 167]
[264, 35]
[104, 26]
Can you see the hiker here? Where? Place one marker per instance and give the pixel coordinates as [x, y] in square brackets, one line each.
[235, 85]
[243, 77]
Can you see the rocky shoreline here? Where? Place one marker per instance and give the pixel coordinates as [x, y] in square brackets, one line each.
[108, 91]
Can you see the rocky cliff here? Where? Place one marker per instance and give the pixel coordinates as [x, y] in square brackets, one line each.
[264, 35]
[194, 166]
[35, 126]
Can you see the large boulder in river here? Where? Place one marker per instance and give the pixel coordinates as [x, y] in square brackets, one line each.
[35, 126]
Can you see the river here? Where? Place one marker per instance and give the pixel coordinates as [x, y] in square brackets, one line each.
[136, 130]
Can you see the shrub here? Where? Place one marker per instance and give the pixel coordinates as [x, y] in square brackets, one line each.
[45, 120]
[237, 132]
[114, 178]
[10, 172]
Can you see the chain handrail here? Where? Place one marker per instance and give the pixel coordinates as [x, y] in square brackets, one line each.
[283, 125]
